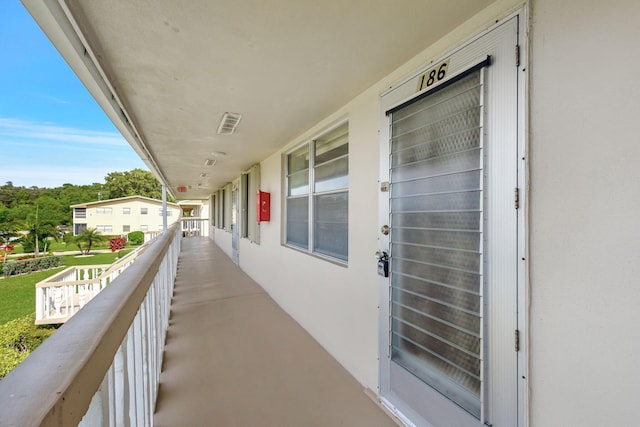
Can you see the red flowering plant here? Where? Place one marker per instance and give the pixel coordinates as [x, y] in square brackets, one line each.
[117, 243]
[5, 250]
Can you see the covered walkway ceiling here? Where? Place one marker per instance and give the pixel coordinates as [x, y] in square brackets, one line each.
[175, 67]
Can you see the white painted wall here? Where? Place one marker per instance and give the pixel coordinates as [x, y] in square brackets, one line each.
[116, 219]
[584, 232]
[339, 305]
[583, 263]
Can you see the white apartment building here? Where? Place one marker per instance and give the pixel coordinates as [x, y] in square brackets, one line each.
[123, 215]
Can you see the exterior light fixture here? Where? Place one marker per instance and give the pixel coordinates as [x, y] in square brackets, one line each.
[229, 123]
[210, 162]
[203, 175]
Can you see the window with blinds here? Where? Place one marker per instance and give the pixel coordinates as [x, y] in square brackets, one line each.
[249, 186]
[317, 206]
[437, 240]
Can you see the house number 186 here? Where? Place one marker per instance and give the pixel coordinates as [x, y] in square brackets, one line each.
[433, 76]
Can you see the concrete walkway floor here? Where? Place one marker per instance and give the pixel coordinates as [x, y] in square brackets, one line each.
[234, 358]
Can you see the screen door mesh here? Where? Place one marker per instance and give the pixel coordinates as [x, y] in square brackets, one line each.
[436, 240]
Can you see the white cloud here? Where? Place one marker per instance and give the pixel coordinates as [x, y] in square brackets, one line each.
[23, 129]
[48, 155]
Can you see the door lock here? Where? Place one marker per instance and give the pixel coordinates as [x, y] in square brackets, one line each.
[385, 230]
[383, 264]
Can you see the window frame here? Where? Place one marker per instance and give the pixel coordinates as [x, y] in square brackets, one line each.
[144, 211]
[104, 229]
[312, 194]
[80, 213]
[249, 186]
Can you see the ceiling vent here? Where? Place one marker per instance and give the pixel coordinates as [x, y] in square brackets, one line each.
[229, 123]
[210, 162]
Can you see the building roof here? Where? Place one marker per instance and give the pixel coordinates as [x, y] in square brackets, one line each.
[121, 199]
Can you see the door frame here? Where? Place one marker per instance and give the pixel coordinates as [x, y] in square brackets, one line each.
[389, 99]
[235, 221]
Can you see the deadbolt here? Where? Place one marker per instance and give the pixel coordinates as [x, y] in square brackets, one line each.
[385, 230]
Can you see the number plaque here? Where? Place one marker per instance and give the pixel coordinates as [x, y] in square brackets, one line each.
[433, 76]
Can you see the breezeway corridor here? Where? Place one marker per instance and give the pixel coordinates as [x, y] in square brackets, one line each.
[234, 358]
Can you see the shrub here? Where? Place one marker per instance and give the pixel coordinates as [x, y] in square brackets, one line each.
[136, 237]
[13, 268]
[117, 243]
[68, 238]
[18, 338]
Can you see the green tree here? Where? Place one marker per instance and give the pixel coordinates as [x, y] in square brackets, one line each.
[41, 227]
[6, 193]
[51, 210]
[136, 182]
[88, 238]
[8, 227]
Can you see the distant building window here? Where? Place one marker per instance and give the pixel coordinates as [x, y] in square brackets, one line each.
[126, 228]
[79, 228]
[105, 229]
[126, 211]
[144, 228]
[80, 212]
[160, 212]
[103, 211]
[143, 211]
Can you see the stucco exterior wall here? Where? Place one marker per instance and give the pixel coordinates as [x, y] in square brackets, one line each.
[339, 305]
[116, 219]
[583, 233]
[582, 264]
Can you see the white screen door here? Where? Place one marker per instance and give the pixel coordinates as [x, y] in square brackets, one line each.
[450, 302]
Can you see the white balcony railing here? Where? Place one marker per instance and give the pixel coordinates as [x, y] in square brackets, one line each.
[61, 296]
[101, 367]
[195, 227]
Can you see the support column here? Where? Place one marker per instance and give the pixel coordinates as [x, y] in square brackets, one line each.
[164, 207]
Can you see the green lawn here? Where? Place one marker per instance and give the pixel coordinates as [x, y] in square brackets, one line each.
[17, 294]
[60, 246]
[98, 258]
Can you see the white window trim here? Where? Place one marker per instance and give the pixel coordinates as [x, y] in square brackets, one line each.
[309, 250]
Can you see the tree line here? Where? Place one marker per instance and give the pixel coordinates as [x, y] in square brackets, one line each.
[39, 211]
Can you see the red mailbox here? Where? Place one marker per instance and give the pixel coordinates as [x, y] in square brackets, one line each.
[263, 206]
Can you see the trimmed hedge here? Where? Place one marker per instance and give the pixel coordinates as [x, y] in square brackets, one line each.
[18, 338]
[136, 237]
[13, 268]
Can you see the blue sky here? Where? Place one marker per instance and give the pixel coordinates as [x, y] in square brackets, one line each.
[51, 130]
